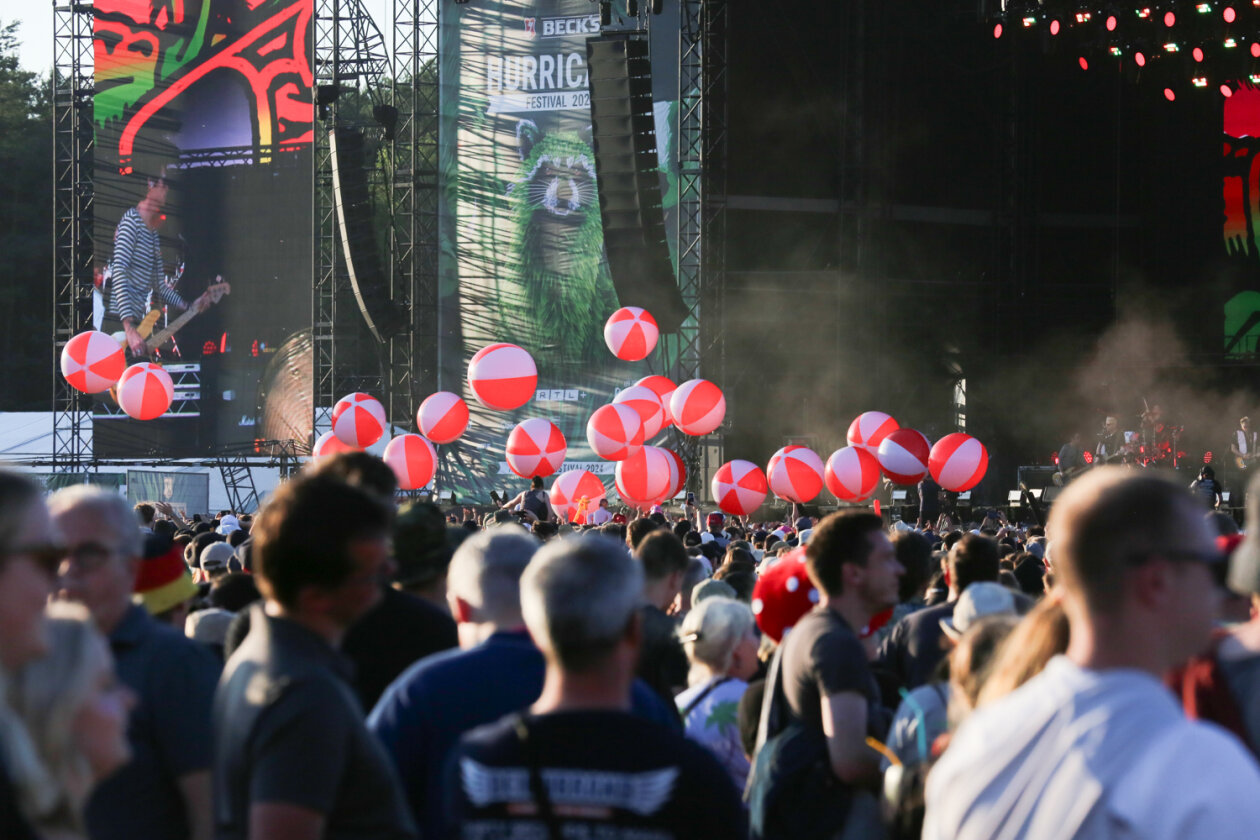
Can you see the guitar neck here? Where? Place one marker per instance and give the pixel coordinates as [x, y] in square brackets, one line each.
[175, 326]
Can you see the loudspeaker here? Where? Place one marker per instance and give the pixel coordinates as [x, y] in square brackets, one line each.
[624, 132]
[358, 241]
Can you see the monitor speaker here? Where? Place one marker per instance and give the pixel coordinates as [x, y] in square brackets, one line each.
[358, 239]
[624, 133]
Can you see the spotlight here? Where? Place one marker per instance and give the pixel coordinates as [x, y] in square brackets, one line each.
[1111, 23]
[1054, 27]
[997, 31]
[1171, 46]
[1198, 54]
[1229, 14]
[1207, 456]
[1139, 59]
[1116, 52]
[1255, 50]
[1082, 17]
[1199, 81]
[1203, 8]
[1029, 21]
[1230, 43]
[1170, 20]
[1169, 95]
[1144, 13]
[1084, 64]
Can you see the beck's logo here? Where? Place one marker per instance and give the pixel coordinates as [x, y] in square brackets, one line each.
[530, 28]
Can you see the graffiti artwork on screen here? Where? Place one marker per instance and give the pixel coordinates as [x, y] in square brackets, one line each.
[1241, 195]
[522, 256]
[204, 119]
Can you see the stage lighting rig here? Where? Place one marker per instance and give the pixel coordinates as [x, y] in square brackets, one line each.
[1186, 45]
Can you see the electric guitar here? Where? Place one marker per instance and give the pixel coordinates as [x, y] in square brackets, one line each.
[145, 327]
[1244, 461]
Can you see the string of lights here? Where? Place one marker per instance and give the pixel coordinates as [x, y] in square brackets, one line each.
[1183, 45]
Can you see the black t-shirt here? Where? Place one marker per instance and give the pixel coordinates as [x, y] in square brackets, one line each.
[662, 661]
[398, 631]
[823, 656]
[609, 775]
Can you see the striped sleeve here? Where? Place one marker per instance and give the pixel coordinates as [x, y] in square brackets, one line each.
[128, 291]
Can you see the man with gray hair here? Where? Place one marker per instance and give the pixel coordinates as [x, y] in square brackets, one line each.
[172, 677]
[578, 763]
[496, 669]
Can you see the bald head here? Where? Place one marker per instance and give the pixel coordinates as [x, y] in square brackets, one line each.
[1111, 518]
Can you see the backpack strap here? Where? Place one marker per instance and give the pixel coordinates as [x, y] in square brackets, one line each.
[538, 790]
[699, 698]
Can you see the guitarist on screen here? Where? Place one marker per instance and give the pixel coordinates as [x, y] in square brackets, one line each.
[136, 265]
[1244, 445]
[1110, 448]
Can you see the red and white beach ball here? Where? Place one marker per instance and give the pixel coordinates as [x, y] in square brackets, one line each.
[502, 376]
[358, 420]
[442, 417]
[852, 474]
[327, 444]
[903, 455]
[869, 429]
[697, 407]
[536, 447]
[664, 388]
[568, 491]
[413, 460]
[642, 479]
[92, 362]
[631, 333]
[145, 391]
[645, 401]
[739, 487]
[795, 473]
[615, 432]
[958, 462]
[677, 473]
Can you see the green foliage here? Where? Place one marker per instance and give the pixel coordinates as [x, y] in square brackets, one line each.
[25, 231]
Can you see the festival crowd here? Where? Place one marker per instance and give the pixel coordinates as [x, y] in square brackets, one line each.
[338, 667]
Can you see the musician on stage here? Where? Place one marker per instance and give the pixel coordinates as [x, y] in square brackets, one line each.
[1110, 446]
[1071, 459]
[1245, 446]
[136, 267]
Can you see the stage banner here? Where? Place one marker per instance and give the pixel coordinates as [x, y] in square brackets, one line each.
[203, 115]
[522, 247]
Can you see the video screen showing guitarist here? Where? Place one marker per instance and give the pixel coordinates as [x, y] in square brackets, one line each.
[1111, 447]
[137, 269]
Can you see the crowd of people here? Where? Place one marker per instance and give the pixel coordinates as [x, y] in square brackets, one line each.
[337, 667]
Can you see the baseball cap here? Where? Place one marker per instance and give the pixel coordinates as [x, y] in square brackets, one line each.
[228, 524]
[215, 557]
[804, 524]
[715, 518]
[977, 601]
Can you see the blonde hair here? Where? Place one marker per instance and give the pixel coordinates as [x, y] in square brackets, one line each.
[1041, 635]
[972, 660]
[710, 633]
[47, 694]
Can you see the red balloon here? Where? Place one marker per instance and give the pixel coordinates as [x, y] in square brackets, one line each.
[958, 462]
[643, 478]
[145, 391]
[568, 491]
[869, 429]
[536, 447]
[328, 444]
[442, 417]
[358, 420]
[631, 333]
[903, 455]
[502, 376]
[413, 460]
[92, 362]
[783, 594]
[739, 487]
[795, 473]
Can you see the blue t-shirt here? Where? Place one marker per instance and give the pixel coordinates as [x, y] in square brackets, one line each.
[169, 731]
[425, 712]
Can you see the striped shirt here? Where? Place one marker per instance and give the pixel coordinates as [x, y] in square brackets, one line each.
[136, 269]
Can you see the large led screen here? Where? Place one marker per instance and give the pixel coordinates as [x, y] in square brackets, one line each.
[522, 246]
[203, 115]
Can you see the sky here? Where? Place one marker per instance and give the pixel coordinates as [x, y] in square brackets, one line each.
[36, 52]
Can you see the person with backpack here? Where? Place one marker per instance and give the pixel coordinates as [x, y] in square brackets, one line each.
[535, 502]
[813, 767]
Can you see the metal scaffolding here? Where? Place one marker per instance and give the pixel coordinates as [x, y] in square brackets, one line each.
[702, 210]
[73, 88]
[414, 93]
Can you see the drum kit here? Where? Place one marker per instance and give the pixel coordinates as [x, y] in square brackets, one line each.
[1155, 446]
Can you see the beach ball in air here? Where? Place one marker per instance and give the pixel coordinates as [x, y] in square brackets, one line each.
[677, 473]
[145, 391]
[645, 401]
[502, 376]
[614, 432]
[957, 462]
[739, 487]
[869, 429]
[413, 460]
[851, 474]
[795, 473]
[358, 420]
[570, 487]
[903, 455]
[328, 444]
[631, 333]
[664, 388]
[92, 362]
[442, 417]
[697, 407]
[643, 478]
[536, 447]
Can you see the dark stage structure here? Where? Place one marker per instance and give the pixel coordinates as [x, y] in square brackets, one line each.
[869, 206]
